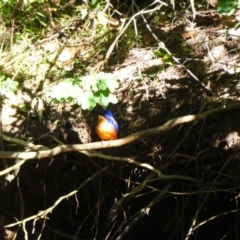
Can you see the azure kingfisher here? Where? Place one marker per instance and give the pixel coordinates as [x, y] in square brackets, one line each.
[107, 127]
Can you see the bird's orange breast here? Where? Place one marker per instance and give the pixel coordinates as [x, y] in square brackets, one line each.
[105, 130]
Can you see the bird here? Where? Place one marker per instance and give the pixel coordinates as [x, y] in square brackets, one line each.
[107, 127]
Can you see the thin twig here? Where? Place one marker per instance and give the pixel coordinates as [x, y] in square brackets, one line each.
[119, 142]
[44, 213]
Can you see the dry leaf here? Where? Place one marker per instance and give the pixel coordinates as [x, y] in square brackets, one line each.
[228, 20]
[185, 31]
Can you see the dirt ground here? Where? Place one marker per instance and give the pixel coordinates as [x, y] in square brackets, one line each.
[199, 160]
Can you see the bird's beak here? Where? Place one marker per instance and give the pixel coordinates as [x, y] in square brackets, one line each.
[101, 117]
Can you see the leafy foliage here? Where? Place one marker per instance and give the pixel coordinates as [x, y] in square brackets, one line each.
[8, 85]
[227, 7]
[87, 91]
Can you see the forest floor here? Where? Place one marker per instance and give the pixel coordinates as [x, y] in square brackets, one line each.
[185, 71]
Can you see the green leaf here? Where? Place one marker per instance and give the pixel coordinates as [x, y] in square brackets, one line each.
[10, 85]
[88, 101]
[14, 85]
[166, 56]
[23, 108]
[69, 80]
[112, 99]
[40, 14]
[100, 76]
[96, 96]
[76, 91]
[159, 53]
[60, 91]
[73, 81]
[102, 85]
[227, 6]
[187, 49]
[101, 98]
[103, 76]
[112, 84]
[94, 86]
[2, 77]
[168, 62]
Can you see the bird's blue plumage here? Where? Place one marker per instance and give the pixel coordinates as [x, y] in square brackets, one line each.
[107, 127]
[109, 116]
